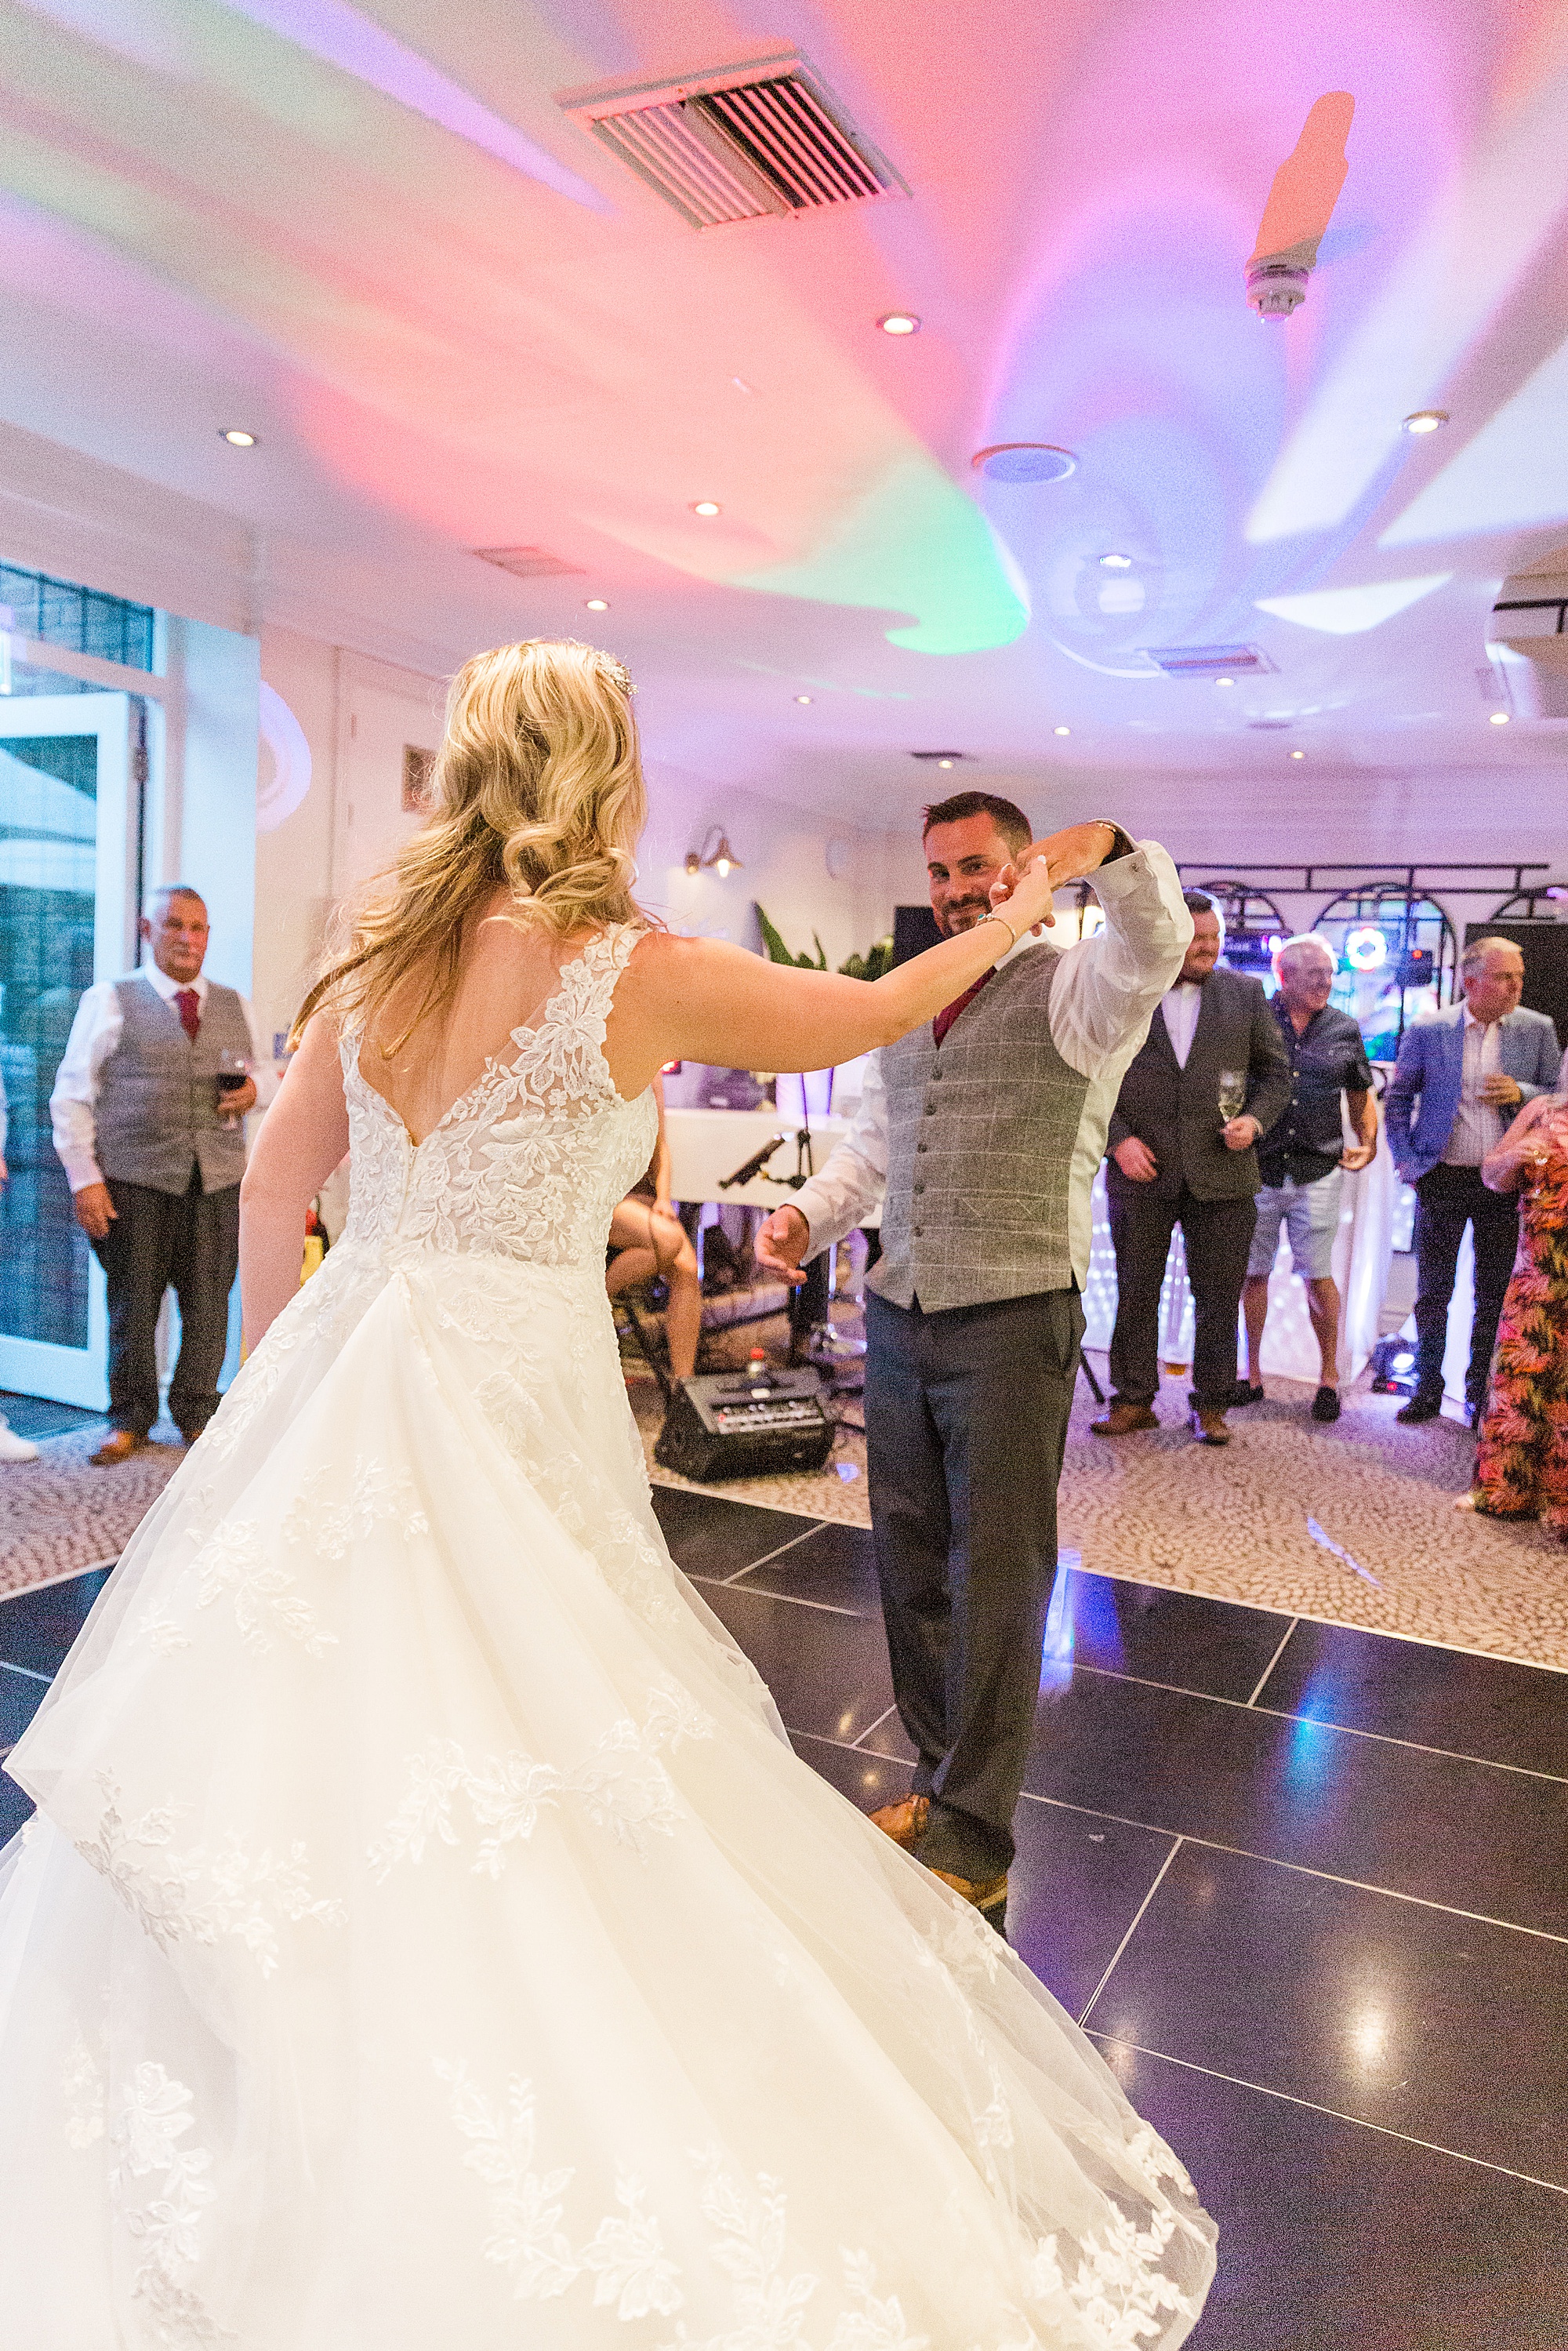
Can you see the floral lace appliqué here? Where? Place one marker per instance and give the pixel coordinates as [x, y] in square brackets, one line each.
[622, 1786]
[202, 1896]
[155, 2114]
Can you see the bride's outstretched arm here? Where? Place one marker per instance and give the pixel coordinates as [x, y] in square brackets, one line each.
[703, 1001]
[303, 1137]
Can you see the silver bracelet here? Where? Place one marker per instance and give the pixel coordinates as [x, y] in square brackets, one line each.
[1012, 935]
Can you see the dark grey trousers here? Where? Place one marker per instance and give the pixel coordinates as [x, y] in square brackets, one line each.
[966, 1423]
[188, 1241]
[1218, 1237]
[1446, 1200]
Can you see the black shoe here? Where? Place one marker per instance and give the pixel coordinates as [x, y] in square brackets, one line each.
[1419, 1408]
[1325, 1403]
[1245, 1392]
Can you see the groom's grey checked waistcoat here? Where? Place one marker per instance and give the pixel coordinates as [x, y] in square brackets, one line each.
[157, 1111]
[980, 1131]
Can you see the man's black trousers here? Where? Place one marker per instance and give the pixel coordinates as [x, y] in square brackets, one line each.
[188, 1241]
[966, 1421]
[1217, 1235]
[1446, 1200]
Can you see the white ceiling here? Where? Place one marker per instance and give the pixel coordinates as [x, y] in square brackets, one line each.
[247, 214]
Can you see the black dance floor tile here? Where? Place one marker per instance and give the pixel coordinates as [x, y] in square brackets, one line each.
[835, 1566]
[1446, 2028]
[1212, 1647]
[15, 1809]
[709, 1536]
[1437, 1826]
[1439, 1697]
[37, 1627]
[868, 1781]
[828, 1673]
[1074, 1891]
[21, 1694]
[1333, 2238]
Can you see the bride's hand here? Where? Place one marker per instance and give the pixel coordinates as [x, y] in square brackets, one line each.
[1024, 896]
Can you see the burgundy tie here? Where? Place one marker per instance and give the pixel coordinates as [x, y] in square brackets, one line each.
[189, 1005]
[949, 1012]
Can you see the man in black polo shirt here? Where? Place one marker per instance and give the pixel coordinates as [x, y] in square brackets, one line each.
[1300, 1157]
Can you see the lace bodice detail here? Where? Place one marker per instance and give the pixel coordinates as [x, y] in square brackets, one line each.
[531, 1161]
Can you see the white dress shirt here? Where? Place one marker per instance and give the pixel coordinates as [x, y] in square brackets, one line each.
[1181, 1006]
[95, 1033]
[1476, 1126]
[1103, 993]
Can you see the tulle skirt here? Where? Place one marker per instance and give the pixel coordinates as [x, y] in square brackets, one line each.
[427, 1937]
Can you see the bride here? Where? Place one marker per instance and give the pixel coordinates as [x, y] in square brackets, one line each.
[426, 1935]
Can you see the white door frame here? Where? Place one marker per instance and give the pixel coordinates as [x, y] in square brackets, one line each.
[78, 1375]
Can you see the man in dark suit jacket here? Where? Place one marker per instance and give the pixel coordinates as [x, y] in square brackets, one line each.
[1175, 1159]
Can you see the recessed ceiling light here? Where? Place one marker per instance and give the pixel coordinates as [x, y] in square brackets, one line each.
[236, 436]
[594, 604]
[1500, 717]
[802, 697]
[899, 322]
[1064, 730]
[944, 763]
[1225, 681]
[1115, 563]
[1298, 755]
[1024, 462]
[706, 506]
[1427, 420]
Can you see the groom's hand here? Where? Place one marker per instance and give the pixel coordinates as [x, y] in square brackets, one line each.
[782, 1241]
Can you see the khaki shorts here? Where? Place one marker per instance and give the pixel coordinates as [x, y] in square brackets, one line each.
[1309, 1214]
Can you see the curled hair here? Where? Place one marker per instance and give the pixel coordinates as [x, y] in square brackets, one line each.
[537, 787]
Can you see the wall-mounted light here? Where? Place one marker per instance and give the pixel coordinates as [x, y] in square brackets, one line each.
[716, 851]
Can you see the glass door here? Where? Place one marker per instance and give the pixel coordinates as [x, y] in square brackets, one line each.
[69, 835]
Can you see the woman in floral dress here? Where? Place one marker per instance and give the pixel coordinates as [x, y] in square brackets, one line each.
[1521, 1455]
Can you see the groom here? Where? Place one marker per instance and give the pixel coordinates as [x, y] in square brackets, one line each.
[981, 1135]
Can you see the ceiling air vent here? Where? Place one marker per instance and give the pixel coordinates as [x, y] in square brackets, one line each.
[747, 142]
[1210, 660]
[528, 562]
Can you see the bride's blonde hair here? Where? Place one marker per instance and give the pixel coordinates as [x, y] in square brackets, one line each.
[538, 786]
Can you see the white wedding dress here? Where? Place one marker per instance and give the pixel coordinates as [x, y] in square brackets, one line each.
[426, 1940]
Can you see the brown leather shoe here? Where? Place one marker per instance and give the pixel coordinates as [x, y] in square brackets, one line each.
[906, 1822]
[1209, 1424]
[984, 1893]
[117, 1446]
[1122, 1419]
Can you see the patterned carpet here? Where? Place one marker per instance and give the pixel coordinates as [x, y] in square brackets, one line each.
[1235, 1524]
[58, 1516]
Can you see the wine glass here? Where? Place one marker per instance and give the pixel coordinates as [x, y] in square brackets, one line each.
[1232, 1094]
[234, 1071]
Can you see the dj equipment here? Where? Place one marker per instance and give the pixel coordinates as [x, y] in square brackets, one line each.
[745, 1424]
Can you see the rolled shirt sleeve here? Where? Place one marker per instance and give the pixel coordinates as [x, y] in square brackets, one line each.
[1106, 988]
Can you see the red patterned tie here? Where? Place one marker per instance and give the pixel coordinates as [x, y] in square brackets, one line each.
[189, 1005]
[949, 1012]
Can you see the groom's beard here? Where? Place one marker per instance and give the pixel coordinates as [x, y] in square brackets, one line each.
[962, 914]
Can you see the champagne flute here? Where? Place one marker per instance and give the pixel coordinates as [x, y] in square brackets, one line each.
[1232, 1094]
[234, 1071]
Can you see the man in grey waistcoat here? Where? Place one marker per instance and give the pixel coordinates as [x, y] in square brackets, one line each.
[153, 1149]
[981, 1135]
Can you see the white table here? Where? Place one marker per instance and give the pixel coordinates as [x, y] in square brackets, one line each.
[707, 1144]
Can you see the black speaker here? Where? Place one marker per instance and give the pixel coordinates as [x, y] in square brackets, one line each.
[744, 1424]
[913, 930]
[1545, 946]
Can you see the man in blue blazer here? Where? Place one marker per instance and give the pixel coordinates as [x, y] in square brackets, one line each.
[1461, 1075]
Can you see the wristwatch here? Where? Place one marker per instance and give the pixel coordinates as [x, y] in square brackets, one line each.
[1124, 844]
